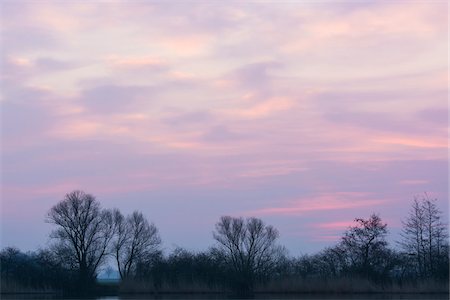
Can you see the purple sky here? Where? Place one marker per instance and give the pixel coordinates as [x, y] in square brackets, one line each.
[304, 114]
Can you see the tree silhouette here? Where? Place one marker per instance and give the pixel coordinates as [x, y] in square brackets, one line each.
[365, 243]
[250, 248]
[246, 257]
[425, 238]
[83, 233]
[135, 239]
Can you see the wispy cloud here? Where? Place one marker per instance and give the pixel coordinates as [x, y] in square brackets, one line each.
[251, 102]
[335, 201]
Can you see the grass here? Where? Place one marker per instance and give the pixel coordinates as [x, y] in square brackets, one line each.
[146, 287]
[349, 285]
[291, 286]
[284, 286]
[12, 287]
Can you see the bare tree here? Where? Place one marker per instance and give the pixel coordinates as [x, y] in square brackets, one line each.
[413, 235]
[83, 233]
[250, 248]
[425, 237]
[365, 243]
[135, 239]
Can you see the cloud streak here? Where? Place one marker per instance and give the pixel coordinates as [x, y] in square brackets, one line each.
[251, 108]
[335, 201]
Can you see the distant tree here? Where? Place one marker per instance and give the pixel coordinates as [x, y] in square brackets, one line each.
[10, 258]
[425, 238]
[249, 247]
[187, 268]
[135, 238]
[33, 270]
[183, 270]
[365, 244]
[152, 269]
[83, 233]
[333, 261]
[413, 236]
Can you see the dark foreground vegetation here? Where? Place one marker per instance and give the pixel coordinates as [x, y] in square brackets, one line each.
[245, 259]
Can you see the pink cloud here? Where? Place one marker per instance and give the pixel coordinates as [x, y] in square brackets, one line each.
[29, 192]
[326, 238]
[77, 129]
[340, 225]
[133, 62]
[419, 142]
[414, 182]
[395, 19]
[186, 45]
[211, 100]
[272, 171]
[323, 202]
[263, 109]
[421, 20]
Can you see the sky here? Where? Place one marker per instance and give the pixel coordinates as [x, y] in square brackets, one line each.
[306, 114]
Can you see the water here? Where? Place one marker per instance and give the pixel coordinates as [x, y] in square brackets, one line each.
[258, 297]
[300, 297]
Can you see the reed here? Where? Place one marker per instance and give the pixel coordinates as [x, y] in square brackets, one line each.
[181, 287]
[346, 285]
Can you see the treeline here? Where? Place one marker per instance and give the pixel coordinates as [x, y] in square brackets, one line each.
[245, 258]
